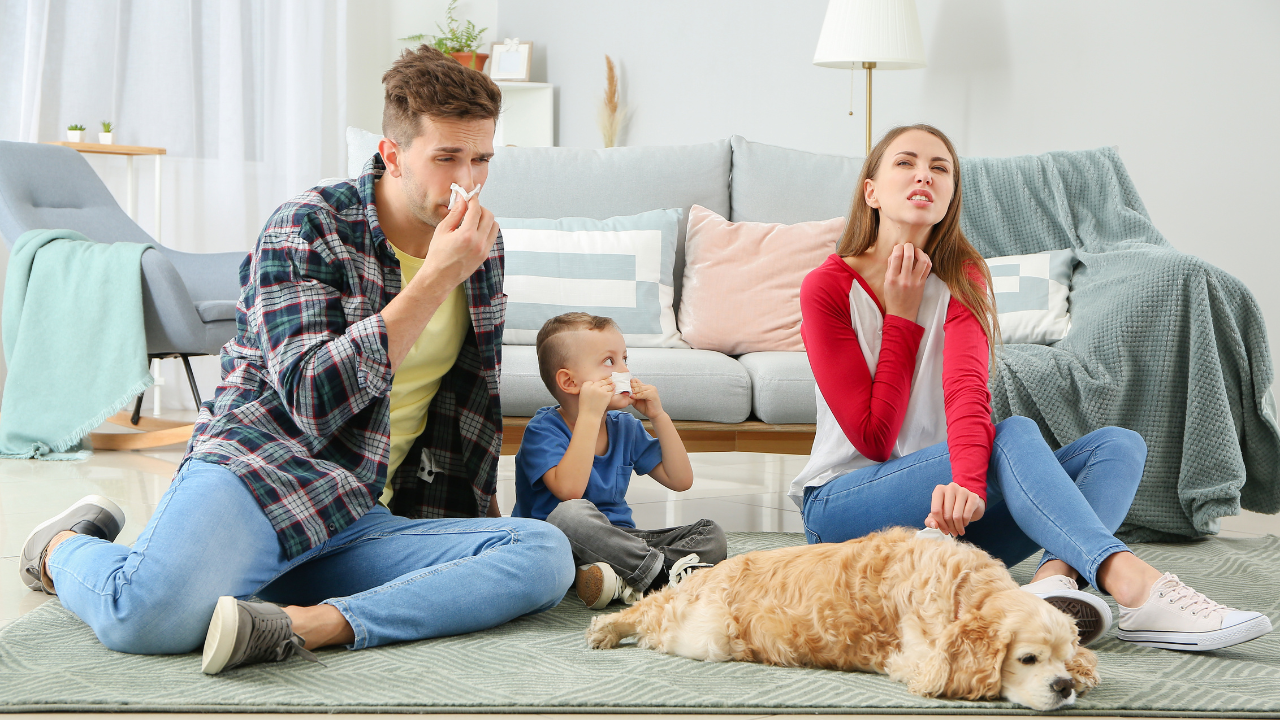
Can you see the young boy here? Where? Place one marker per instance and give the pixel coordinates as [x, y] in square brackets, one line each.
[576, 459]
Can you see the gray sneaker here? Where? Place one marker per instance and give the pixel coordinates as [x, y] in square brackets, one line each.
[91, 515]
[244, 633]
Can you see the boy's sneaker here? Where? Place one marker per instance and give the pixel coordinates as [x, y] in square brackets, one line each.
[244, 633]
[90, 515]
[598, 585]
[684, 567]
[1176, 617]
[1091, 613]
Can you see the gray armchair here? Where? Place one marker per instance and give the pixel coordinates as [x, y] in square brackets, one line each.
[189, 299]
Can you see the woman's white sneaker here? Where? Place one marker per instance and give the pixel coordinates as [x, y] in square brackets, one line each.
[1091, 613]
[1176, 617]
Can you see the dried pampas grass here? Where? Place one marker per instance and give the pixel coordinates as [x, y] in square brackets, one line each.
[612, 115]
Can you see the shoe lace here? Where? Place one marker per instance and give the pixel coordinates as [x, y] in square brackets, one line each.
[273, 640]
[1187, 598]
[627, 594]
[684, 567]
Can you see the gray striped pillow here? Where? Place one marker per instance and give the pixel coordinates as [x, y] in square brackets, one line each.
[620, 268]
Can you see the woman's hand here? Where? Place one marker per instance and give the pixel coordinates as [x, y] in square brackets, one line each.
[954, 507]
[904, 281]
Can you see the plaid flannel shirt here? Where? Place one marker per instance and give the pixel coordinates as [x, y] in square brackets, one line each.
[303, 413]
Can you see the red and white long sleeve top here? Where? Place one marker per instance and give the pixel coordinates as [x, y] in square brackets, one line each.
[887, 386]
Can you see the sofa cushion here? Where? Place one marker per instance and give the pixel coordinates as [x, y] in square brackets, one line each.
[553, 182]
[742, 281]
[692, 384]
[1031, 293]
[782, 387]
[775, 184]
[620, 268]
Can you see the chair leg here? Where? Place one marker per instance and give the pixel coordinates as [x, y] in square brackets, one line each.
[191, 378]
[137, 410]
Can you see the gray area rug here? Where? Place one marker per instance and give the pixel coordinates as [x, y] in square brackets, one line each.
[50, 661]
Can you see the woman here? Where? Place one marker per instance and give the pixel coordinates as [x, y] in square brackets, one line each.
[904, 418]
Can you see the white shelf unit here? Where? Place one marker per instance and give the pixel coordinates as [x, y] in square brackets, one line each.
[528, 115]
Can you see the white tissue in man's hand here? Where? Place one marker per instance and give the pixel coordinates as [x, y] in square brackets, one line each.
[621, 383]
[456, 191]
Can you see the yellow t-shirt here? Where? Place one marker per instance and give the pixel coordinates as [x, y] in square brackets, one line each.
[418, 377]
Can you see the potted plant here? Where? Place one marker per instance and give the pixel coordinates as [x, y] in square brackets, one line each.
[458, 40]
[104, 137]
[75, 133]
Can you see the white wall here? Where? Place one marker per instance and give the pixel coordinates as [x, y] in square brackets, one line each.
[1189, 91]
[373, 31]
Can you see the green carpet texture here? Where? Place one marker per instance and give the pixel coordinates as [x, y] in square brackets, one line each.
[51, 661]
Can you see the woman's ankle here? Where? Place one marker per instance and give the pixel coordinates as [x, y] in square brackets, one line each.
[1055, 567]
[1127, 579]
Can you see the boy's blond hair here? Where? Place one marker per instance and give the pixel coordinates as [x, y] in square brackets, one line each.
[553, 353]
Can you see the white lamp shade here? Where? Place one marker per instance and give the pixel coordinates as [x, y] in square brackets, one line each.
[885, 32]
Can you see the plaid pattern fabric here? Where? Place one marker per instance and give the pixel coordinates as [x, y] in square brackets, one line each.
[303, 411]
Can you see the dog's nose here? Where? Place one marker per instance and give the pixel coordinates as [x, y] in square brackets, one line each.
[1063, 686]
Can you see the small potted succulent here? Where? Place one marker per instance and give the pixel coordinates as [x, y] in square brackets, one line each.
[458, 40]
[104, 137]
[75, 133]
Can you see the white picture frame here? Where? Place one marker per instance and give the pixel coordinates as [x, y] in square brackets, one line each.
[511, 62]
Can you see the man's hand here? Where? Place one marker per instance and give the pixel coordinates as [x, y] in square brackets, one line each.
[954, 507]
[594, 398]
[461, 243]
[645, 399]
[904, 281]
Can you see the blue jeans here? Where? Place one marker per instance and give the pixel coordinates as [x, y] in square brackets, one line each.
[392, 578]
[1069, 502]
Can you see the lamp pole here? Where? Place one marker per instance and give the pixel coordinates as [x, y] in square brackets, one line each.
[869, 66]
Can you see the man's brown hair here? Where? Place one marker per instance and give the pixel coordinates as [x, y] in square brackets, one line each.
[553, 353]
[426, 82]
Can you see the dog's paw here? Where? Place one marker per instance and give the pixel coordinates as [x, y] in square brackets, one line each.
[602, 634]
[1084, 670]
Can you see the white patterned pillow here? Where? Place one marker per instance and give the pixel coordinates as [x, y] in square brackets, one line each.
[621, 268]
[1031, 295]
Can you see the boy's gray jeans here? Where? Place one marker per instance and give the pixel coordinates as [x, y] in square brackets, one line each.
[636, 555]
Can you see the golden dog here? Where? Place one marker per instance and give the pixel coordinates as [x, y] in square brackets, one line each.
[941, 616]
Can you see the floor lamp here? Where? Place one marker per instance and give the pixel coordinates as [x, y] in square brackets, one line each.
[871, 35]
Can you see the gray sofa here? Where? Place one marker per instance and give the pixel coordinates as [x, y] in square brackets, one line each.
[741, 180]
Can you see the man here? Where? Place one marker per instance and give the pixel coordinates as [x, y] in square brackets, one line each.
[341, 375]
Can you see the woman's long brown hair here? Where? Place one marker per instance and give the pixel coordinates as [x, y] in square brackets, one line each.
[947, 246]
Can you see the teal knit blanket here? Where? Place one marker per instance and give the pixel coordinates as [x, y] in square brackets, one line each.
[1161, 342]
[74, 341]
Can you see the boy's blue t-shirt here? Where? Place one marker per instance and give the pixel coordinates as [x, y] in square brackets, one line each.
[546, 438]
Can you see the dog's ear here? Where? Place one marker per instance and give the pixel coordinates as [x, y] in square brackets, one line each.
[1083, 668]
[967, 662]
[977, 657]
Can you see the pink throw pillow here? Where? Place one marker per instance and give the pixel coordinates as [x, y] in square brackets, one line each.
[742, 281]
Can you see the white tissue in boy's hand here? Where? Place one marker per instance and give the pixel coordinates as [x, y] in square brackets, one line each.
[456, 191]
[621, 383]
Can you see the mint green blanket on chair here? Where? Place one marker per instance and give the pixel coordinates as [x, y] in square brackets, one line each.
[1161, 342]
[74, 341]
